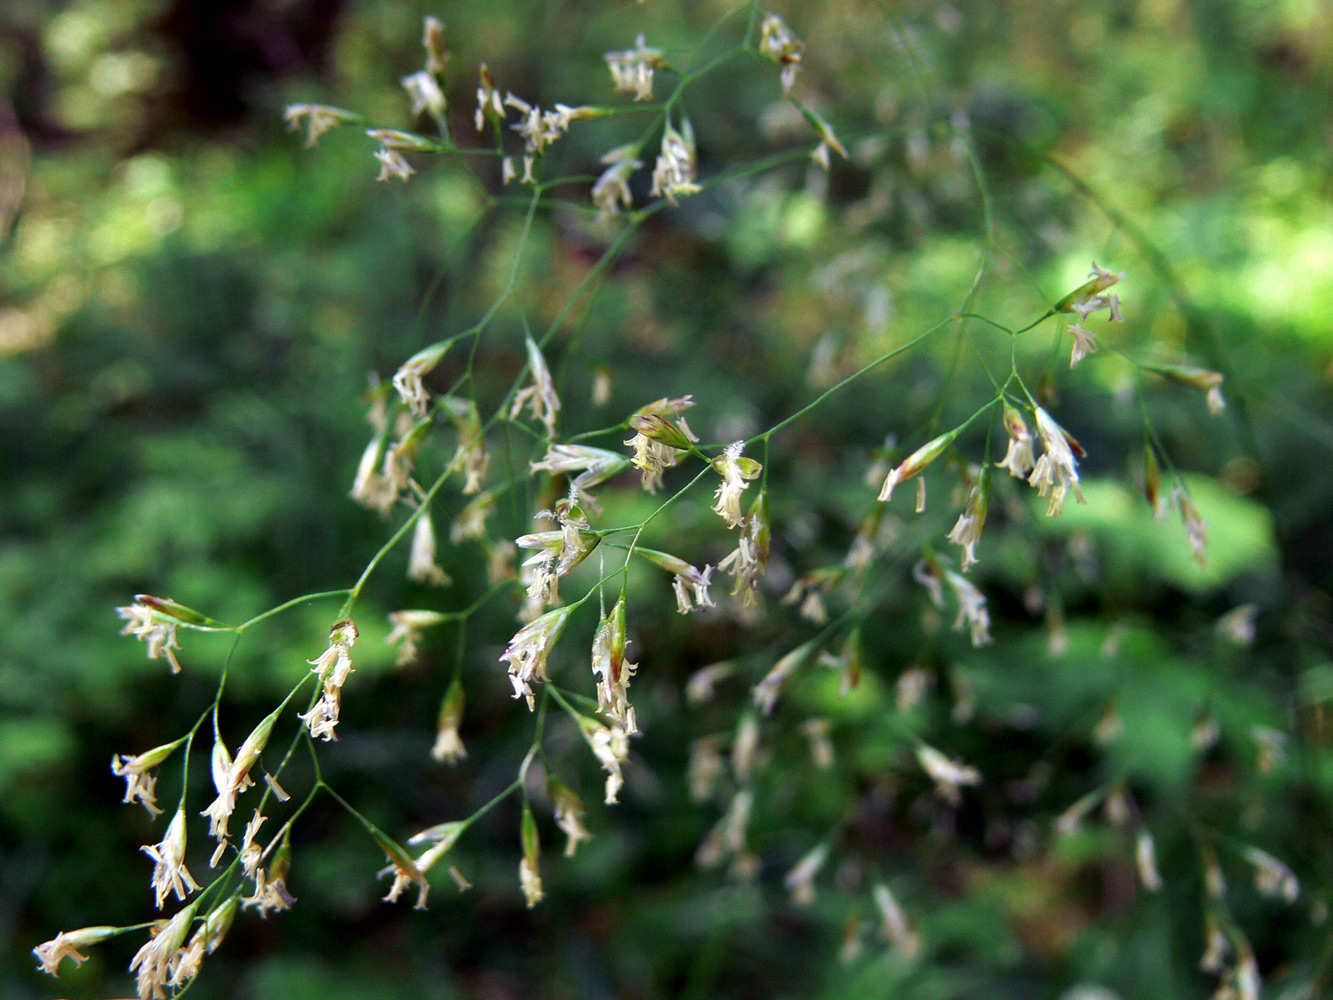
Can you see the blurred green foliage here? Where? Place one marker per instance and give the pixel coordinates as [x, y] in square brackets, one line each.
[191, 304]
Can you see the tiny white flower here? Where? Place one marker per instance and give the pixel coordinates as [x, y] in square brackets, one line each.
[967, 531]
[895, 926]
[1088, 298]
[421, 566]
[1018, 458]
[767, 691]
[157, 961]
[1056, 472]
[66, 944]
[319, 118]
[737, 472]
[800, 881]
[489, 104]
[632, 70]
[611, 191]
[235, 778]
[1271, 876]
[1085, 343]
[148, 625]
[613, 669]
[971, 608]
[528, 649]
[407, 628]
[746, 564]
[661, 433]
[949, 775]
[610, 745]
[593, 465]
[1196, 529]
[425, 93]
[778, 43]
[673, 175]
[140, 782]
[169, 871]
[540, 396]
[1145, 857]
[393, 164]
[529, 872]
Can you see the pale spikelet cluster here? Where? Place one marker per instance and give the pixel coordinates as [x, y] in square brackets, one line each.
[270, 885]
[1091, 297]
[529, 867]
[745, 564]
[610, 193]
[745, 747]
[895, 926]
[318, 118]
[539, 396]
[966, 532]
[828, 140]
[405, 872]
[408, 626]
[489, 104]
[816, 731]
[557, 552]
[432, 40]
[1145, 859]
[1085, 343]
[1196, 530]
[706, 767]
[701, 687]
[470, 524]
[448, 747]
[949, 775]
[677, 164]
[737, 473]
[1019, 459]
[632, 69]
[407, 380]
[333, 666]
[421, 564]
[660, 435]
[778, 43]
[147, 624]
[800, 881]
[425, 87]
[140, 782]
[231, 776]
[610, 745]
[1272, 877]
[528, 650]
[770, 688]
[159, 963]
[471, 456]
[569, 812]
[971, 609]
[540, 128]
[393, 144]
[169, 872]
[66, 944]
[385, 470]
[423, 90]
[914, 464]
[1056, 471]
[613, 669]
[807, 593]
[729, 837]
[593, 465]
